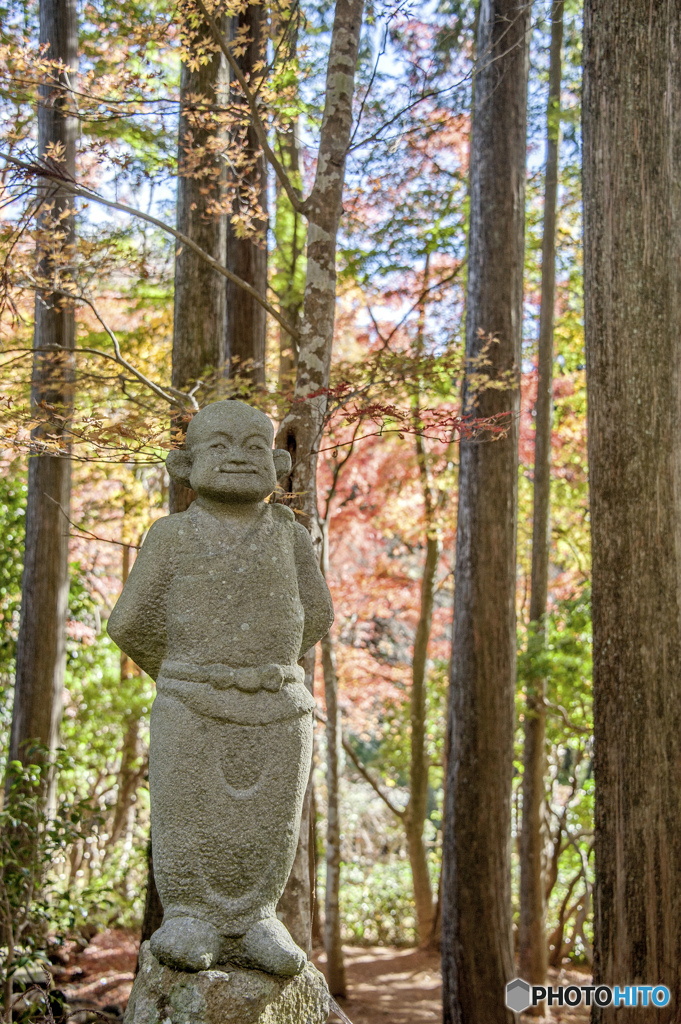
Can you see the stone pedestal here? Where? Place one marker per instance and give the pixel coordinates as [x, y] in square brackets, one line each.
[225, 996]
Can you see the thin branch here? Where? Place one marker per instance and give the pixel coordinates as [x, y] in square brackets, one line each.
[120, 361]
[338, 466]
[360, 112]
[401, 431]
[171, 395]
[560, 711]
[295, 200]
[41, 170]
[341, 1014]
[90, 535]
[476, 69]
[415, 305]
[370, 779]
[362, 770]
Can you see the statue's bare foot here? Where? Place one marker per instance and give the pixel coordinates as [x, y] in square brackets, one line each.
[267, 946]
[186, 944]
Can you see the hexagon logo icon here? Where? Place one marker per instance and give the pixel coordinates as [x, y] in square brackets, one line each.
[518, 995]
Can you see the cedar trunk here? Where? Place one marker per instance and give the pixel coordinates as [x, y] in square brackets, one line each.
[632, 197]
[335, 966]
[415, 815]
[533, 948]
[295, 908]
[44, 597]
[200, 308]
[419, 763]
[477, 949]
[246, 327]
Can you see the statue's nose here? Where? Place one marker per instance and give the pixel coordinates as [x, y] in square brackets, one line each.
[235, 456]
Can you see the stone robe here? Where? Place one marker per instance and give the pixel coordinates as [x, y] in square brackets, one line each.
[220, 617]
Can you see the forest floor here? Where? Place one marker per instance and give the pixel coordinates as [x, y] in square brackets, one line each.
[385, 985]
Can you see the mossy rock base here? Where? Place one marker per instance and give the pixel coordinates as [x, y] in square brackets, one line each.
[224, 996]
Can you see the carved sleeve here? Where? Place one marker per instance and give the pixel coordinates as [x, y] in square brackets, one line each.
[314, 593]
[138, 622]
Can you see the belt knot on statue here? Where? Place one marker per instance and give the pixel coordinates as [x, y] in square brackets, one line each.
[223, 677]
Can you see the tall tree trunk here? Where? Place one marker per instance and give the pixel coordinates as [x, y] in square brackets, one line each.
[200, 309]
[129, 771]
[335, 966]
[289, 258]
[153, 908]
[533, 948]
[477, 949]
[44, 598]
[415, 813]
[415, 816]
[246, 329]
[317, 940]
[301, 430]
[632, 198]
[128, 780]
[296, 903]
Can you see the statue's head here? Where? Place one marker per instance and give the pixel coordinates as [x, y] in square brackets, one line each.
[228, 454]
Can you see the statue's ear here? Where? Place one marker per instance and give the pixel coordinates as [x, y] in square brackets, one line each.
[282, 462]
[179, 465]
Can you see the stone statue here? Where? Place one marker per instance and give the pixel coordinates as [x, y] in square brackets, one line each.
[222, 602]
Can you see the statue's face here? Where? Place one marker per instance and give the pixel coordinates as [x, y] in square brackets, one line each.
[233, 462]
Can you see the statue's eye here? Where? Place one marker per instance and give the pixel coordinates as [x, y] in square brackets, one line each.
[218, 445]
[256, 447]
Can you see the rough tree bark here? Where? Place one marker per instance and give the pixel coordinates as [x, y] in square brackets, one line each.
[419, 764]
[288, 256]
[44, 598]
[335, 965]
[632, 207]
[333, 945]
[415, 814]
[533, 948]
[246, 327]
[477, 949]
[199, 323]
[129, 772]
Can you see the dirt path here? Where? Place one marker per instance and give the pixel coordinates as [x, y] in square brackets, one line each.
[391, 986]
[385, 985]
[398, 986]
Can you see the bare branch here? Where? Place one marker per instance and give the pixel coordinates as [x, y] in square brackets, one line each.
[341, 1014]
[52, 173]
[90, 535]
[338, 466]
[371, 780]
[415, 305]
[560, 711]
[363, 771]
[171, 396]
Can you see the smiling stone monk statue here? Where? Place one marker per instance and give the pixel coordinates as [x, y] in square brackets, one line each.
[222, 602]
